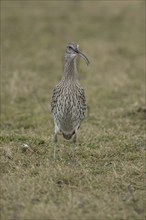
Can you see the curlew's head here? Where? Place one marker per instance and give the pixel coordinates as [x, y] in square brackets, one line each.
[72, 51]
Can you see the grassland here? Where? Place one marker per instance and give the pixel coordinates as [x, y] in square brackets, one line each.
[107, 182]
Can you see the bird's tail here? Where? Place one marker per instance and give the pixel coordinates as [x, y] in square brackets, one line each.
[68, 136]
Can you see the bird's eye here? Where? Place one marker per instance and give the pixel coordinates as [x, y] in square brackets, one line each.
[69, 47]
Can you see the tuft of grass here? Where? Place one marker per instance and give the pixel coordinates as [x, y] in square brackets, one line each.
[107, 180]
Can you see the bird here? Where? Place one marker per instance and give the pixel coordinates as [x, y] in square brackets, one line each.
[68, 103]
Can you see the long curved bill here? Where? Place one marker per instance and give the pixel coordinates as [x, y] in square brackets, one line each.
[84, 57]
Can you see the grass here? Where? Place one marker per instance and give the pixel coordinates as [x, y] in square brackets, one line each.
[108, 180]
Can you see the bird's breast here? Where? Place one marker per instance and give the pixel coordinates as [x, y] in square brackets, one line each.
[70, 105]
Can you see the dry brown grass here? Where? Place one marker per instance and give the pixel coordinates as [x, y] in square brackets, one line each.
[107, 182]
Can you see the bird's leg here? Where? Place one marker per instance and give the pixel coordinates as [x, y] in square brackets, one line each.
[57, 129]
[55, 143]
[74, 144]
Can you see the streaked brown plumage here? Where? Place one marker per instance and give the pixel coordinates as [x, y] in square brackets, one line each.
[68, 99]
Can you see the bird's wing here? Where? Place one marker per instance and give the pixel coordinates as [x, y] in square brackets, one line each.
[82, 98]
[54, 99]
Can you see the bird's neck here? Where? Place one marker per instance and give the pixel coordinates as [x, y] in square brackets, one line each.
[70, 70]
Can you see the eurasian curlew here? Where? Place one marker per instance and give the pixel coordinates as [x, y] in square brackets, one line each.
[68, 100]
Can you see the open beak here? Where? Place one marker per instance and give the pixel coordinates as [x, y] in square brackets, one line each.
[83, 56]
